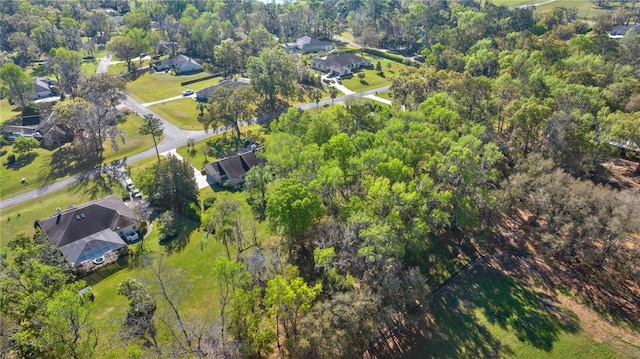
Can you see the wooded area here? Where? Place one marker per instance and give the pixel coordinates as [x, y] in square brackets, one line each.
[503, 140]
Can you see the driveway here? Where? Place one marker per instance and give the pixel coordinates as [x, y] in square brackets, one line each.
[348, 92]
[168, 99]
[200, 178]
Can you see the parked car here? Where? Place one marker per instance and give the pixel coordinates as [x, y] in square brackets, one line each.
[129, 183]
[187, 92]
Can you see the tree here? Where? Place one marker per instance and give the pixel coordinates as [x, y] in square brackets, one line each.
[152, 126]
[168, 225]
[226, 55]
[272, 74]
[223, 219]
[228, 277]
[333, 92]
[170, 185]
[68, 329]
[23, 145]
[124, 47]
[96, 113]
[292, 208]
[142, 307]
[361, 75]
[256, 181]
[316, 96]
[17, 85]
[230, 109]
[66, 66]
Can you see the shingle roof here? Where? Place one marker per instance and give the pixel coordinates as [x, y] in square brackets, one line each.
[235, 166]
[231, 84]
[84, 221]
[341, 60]
[177, 61]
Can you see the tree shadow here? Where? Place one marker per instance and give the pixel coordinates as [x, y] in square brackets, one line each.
[101, 181]
[68, 160]
[40, 70]
[179, 242]
[22, 161]
[455, 322]
[364, 82]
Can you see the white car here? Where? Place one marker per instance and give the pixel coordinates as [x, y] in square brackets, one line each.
[187, 92]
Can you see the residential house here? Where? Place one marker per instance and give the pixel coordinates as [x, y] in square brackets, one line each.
[308, 44]
[619, 32]
[50, 134]
[180, 63]
[231, 170]
[204, 94]
[42, 87]
[340, 64]
[93, 233]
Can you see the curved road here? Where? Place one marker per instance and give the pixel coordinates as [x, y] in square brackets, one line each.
[173, 137]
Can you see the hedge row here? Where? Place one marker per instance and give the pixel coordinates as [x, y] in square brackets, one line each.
[388, 56]
[185, 83]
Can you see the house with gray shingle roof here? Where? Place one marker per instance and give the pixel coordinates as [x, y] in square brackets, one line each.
[180, 63]
[340, 64]
[92, 233]
[204, 94]
[231, 170]
[308, 44]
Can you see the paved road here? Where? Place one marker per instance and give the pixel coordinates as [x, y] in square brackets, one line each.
[168, 99]
[173, 137]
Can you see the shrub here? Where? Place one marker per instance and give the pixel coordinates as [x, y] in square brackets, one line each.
[208, 202]
[125, 195]
[11, 159]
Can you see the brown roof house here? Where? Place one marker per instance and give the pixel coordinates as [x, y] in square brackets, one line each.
[93, 233]
[230, 171]
[340, 64]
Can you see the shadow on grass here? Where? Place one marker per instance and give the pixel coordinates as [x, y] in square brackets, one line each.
[179, 242]
[101, 181]
[454, 326]
[364, 83]
[22, 161]
[69, 160]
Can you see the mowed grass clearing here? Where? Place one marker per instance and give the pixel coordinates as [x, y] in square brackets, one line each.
[182, 113]
[371, 77]
[156, 86]
[44, 166]
[486, 313]
[8, 111]
[586, 9]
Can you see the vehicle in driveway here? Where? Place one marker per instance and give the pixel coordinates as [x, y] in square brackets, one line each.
[187, 92]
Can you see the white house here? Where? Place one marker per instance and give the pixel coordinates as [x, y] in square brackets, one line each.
[180, 63]
[340, 64]
[42, 87]
[308, 44]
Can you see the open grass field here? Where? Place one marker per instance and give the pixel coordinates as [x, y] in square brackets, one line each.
[44, 166]
[151, 87]
[182, 113]
[89, 67]
[489, 312]
[7, 111]
[586, 9]
[120, 68]
[371, 78]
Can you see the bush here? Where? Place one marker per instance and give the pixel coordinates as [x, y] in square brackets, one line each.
[11, 159]
[125, 195]
[208, 202]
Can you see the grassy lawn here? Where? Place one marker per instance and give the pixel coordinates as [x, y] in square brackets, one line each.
[117, 69]
[217, 146]
[586, 9]
[151, 87]
[89, 67]
[20, 218]
[182, 113]
[348, 35]
[8, 111]
[489, 314]
[44, 166]
[187, 257]
[385, 95]
[371, 78]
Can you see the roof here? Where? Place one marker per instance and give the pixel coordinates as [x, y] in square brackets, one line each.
[235, 166]
[177, 61]
[619, 32]
[88, 226]
[231, 84]
[92, 246]
[307, 41]
[341, 60]
[42, 84]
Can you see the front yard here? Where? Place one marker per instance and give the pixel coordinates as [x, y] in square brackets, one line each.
[150, 87]
[182, 113]
[371, 77]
